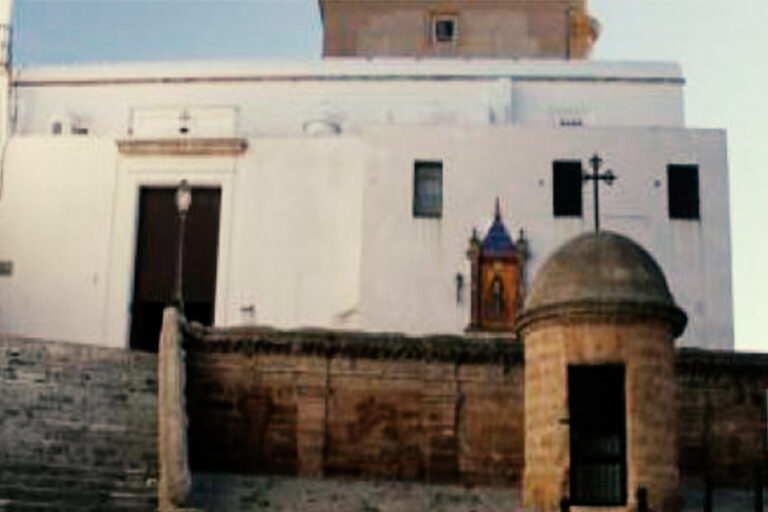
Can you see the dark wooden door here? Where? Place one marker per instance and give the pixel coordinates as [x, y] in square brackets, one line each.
[155, 266]
[598, 434]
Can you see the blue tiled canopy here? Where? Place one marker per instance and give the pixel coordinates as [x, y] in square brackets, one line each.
[497, 241]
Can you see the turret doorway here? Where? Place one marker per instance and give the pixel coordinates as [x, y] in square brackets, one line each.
[598, 470]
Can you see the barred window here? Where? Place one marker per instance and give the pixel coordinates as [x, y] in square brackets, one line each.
[427, 189]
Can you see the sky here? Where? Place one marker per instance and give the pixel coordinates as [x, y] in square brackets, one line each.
[721, 44]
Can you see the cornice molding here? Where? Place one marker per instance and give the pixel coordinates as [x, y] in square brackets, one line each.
[599, 312]
[226, 146]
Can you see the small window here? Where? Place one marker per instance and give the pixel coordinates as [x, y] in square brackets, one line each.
[566, 188]
[444, 28]
[427, 189]
[683, 191]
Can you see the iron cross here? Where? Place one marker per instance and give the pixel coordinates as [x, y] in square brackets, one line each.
[607, 176]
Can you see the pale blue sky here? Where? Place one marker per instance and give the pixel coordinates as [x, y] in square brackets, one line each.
[722, 45]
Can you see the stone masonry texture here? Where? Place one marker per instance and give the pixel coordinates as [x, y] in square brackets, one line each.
[78, 424]
[78, 427]
[450, 410]
[326, 404]
[174, 480]
[646, 351]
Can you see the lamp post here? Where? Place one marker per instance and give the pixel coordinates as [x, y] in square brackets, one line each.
[183, 200]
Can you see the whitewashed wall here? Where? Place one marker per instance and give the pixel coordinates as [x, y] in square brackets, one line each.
[289, 240]
[56, 217]
[280, 100]
[421, 257]
[319, 231]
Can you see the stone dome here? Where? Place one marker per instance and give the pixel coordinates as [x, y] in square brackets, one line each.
[603, 272]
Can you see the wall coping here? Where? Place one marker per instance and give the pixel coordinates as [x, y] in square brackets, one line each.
[473, 348]
[711, 362]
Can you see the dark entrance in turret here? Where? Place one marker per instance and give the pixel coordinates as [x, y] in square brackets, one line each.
[598, 434]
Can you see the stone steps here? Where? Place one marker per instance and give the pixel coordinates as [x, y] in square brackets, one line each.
[28, 487]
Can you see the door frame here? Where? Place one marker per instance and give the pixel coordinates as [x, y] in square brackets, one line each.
[132, 175]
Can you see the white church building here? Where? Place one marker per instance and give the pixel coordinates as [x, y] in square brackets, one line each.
[342, 193]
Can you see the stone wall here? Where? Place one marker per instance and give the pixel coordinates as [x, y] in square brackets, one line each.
[77, 427]
[174, 484]
[437, 409]
[442, 409]
[500, 29]
[645, 350]
[78, 423]
[721, 415]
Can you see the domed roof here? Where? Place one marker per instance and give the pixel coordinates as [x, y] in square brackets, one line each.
[603, 270]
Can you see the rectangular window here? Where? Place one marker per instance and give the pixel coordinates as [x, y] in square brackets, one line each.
[566, 188]
[683, 191]
[444, 28]
[427, 189]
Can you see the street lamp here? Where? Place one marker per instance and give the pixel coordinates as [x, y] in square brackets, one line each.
[183, 200]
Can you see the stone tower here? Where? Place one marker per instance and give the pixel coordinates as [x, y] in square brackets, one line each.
[598, 332]
[511, 29]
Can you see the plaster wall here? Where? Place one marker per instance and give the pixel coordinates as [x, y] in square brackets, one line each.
[289, 238]
[320, 231]
[515, 164]
[56, 216]
[379, 93]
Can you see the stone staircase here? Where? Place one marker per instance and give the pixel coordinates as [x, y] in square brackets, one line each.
[78, 427]
[32, 487]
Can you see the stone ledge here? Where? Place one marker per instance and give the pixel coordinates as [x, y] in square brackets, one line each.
[446, 348]
[596, 311]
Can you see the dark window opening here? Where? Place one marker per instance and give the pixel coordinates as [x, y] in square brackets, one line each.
[566, 188]
[597, 414]
[427, 189]
[683, 191]
[445, 29]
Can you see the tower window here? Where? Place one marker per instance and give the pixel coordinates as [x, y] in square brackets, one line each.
[444, 28]
[683, 191]
[566, 188]
[427, 189]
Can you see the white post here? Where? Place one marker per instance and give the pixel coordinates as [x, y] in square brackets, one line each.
[6, 16]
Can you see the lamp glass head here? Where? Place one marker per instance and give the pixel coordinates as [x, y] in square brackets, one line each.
[183, 197]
